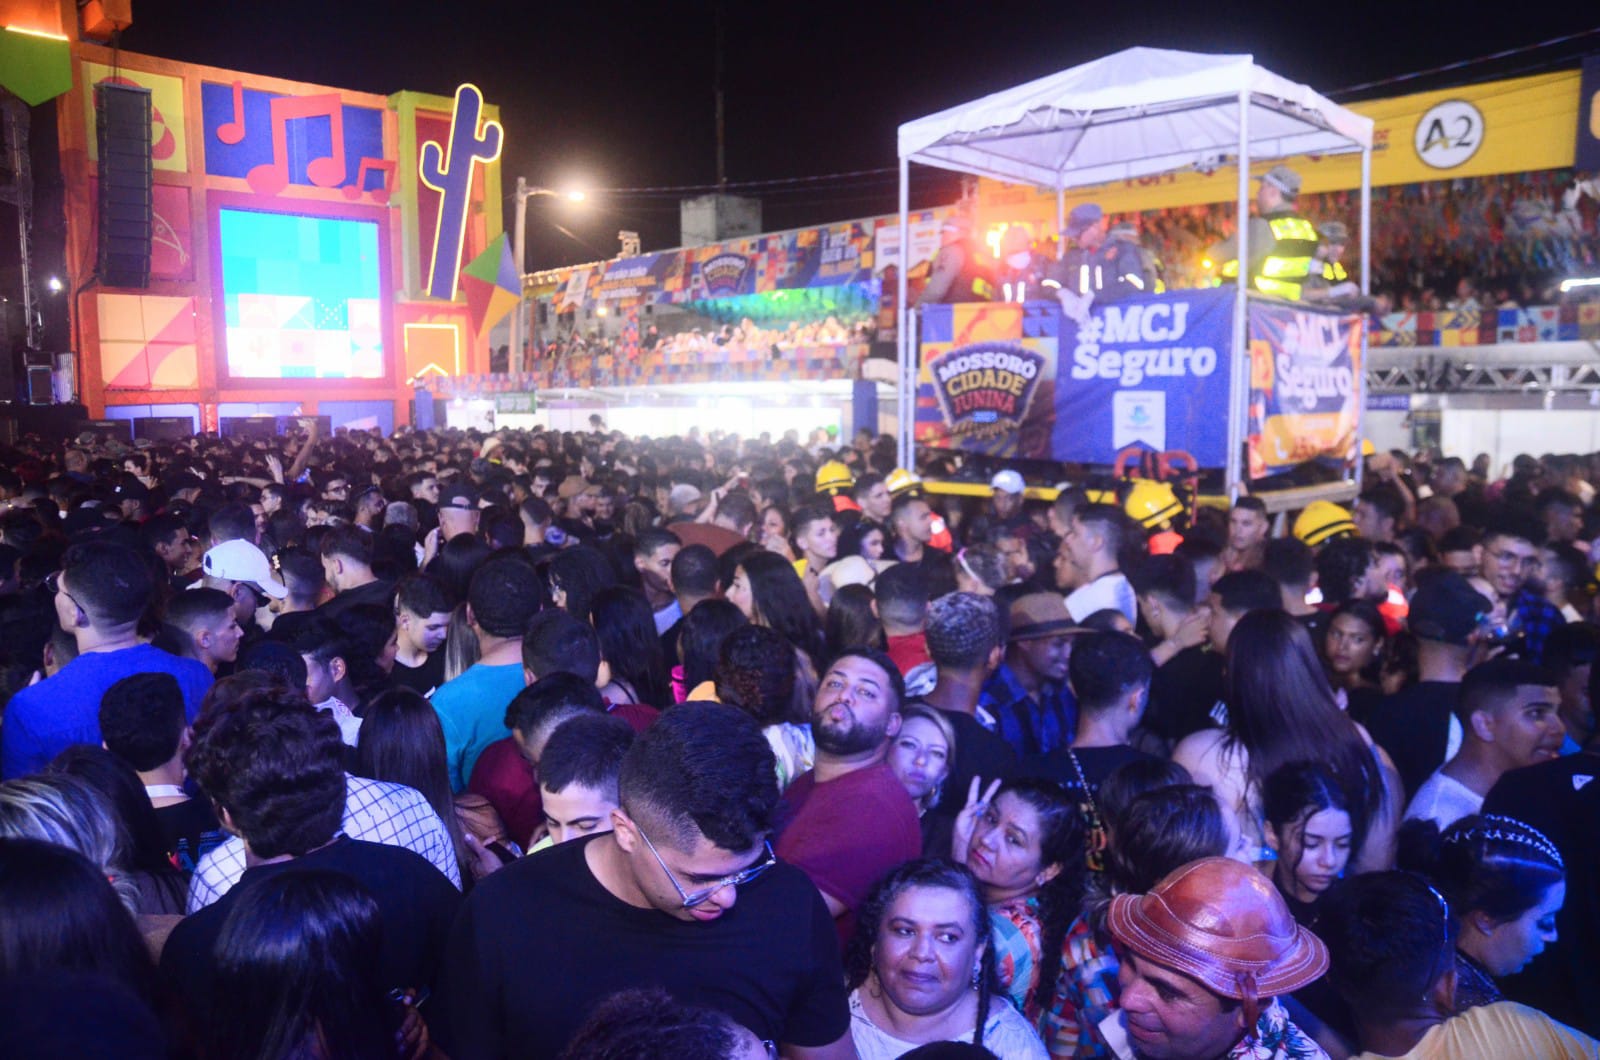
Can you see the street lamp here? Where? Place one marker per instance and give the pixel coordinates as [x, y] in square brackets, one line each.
[525, 191]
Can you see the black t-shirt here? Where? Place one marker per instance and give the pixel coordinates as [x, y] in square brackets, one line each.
[1183, 691]
[541, 942]
[978, 753]
[1413, 725]
[420, 679]
[190, 829]
[378, 592]
[415, 900]
[1098, 763]
[1562, 800]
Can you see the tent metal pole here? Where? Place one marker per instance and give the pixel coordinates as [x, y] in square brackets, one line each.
[1061, 221]
[1366, 289]
[1238, 397]
[905, 401]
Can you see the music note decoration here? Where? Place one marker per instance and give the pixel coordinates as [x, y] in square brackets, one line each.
[273, 141]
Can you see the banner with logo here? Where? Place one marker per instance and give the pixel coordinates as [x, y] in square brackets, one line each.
[1147, 372]
[1588, 153]
[1028, 381]
[652, 277]
[1304, 370]
[988, 377]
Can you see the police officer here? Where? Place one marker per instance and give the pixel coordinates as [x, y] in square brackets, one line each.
[1124, 268]
[1072, 279]
[1282, 241]
[1328, 281]
[960, 273]
[1021, 273]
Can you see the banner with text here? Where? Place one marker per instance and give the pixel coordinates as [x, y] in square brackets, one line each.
[988, 377]
[1147, 372]
[1304, 371]
[1028, 381]
[1588, 151]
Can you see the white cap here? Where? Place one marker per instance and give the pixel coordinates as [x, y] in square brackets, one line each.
[1007, 481]
[240, 561]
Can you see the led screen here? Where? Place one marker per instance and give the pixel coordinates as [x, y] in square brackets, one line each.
[301, 296]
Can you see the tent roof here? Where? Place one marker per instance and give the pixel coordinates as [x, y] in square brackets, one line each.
[1136, 113]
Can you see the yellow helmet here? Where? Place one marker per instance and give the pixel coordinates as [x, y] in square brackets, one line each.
[1100, 496]
[1151, 503]
[900, 481]
[1323, 521]
[1367, 448]
[833, 477]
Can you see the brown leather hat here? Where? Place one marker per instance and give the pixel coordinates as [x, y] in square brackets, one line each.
[1221, 922]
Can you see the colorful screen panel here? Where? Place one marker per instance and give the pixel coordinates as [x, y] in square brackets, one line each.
[301, 296]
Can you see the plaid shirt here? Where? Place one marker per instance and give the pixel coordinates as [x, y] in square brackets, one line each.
[1537, 617]
[1030, 726]
[374, 810]
[1086, 993]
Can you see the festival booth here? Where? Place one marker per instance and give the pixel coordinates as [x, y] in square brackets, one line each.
[1199, 380]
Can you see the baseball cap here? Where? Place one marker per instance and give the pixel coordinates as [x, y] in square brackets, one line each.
[1446, 608]
[1007, 481]
[1334, 231]
[1083, 217]
[681, 496]
[240, 561]
[458, 495]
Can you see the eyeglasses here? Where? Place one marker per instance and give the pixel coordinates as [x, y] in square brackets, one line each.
[738, 879]
[52, 581]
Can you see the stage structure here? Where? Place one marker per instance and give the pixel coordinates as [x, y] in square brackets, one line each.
[306, 244]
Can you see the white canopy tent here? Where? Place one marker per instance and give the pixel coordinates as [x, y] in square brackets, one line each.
[1139, 112]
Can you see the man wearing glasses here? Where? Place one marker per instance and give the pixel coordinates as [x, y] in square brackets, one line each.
[1510, 560]
[685, 893]
[100, 594]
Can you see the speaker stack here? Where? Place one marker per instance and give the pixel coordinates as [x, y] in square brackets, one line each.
[122, 132]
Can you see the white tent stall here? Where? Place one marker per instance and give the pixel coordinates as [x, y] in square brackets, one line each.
[1139, 112]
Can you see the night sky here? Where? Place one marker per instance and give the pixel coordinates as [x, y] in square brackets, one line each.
[617, 96]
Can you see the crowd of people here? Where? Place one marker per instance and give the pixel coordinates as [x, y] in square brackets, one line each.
[574, 745]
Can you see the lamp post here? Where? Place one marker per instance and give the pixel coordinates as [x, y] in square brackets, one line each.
[525, 191]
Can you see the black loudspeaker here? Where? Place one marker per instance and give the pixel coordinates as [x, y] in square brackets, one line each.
[163, 428]
[249, 426]
[107, 430]
[122, 132]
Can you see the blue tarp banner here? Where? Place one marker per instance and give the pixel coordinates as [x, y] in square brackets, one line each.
[1147, 372]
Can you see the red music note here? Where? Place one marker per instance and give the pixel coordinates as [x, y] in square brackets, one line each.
[328, 172]
[232, 132]
[371, 165]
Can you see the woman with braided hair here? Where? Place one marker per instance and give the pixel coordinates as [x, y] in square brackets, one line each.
[1505, 883]
[921, 968]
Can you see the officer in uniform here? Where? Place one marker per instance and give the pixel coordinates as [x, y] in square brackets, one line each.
[1022, 273]
[1282, 241]
[1123, 268]
[1072, 279]
[1328, 281]
[960, 273]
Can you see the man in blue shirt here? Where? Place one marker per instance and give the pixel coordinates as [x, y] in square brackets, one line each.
[502, 599]
[1028, 695]
[101, 592]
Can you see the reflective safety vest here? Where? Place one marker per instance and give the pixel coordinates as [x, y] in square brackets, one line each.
[1286, 265]
[1334, 272]
[975, 282]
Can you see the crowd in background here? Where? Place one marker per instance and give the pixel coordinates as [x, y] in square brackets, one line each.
[544, 744]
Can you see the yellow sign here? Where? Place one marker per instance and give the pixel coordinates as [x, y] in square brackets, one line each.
[1514, 126]
[168, 145]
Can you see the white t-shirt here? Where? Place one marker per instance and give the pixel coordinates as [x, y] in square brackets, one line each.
[1007, 1034]
[1107, 592]
[1443, 800]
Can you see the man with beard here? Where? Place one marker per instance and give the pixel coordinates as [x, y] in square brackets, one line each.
[848, 820]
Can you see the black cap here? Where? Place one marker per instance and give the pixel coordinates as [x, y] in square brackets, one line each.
[1447, 608]
[458, 495]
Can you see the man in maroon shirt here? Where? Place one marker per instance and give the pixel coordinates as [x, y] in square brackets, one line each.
[848, 821]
